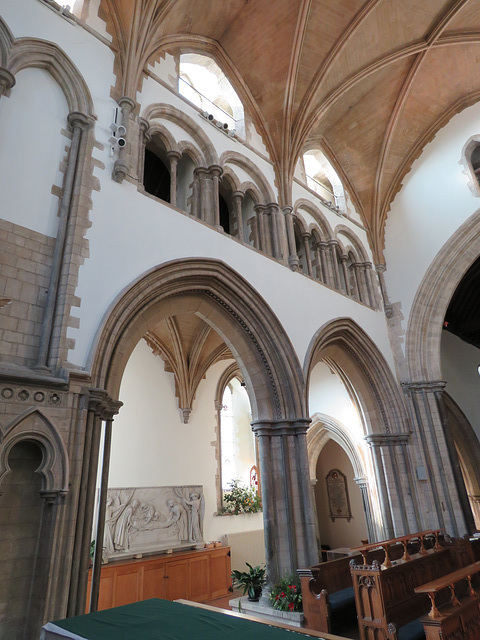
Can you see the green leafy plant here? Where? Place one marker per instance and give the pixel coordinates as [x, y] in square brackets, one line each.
[251, 581]
[286, 595]
[240, 499]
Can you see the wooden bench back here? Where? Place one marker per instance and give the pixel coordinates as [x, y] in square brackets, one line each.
[386, 595]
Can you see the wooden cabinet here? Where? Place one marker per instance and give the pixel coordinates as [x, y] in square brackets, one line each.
[194, 575]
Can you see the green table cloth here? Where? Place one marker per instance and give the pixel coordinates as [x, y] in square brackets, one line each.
[164, 620]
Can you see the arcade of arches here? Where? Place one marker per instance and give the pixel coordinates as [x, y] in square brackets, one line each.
[299, 236]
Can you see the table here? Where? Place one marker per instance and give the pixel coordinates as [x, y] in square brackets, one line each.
[157, 619]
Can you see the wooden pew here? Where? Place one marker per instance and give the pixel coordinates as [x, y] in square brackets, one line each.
[459, 615]
[387, 605]
[327, 591]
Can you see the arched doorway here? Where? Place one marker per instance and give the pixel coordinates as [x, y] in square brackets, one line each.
[211, 292]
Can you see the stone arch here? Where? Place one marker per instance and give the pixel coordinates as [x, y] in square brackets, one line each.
[324, 428]
[314, 211]
[252, 190]
[172, 114]
[424, 329]
[6, 42]
[247, 165]
[40, 54]
[231, 179]
[33, 426]
[213, 291]
[187, 148]
[363, 370]
[356, 243]
[157, 130]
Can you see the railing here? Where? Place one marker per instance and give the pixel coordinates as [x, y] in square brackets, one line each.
[449, 581]
[211, 107]
[387, 545]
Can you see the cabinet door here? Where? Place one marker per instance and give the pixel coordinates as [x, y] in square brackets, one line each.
[199, 589]
[154, 580]
[220, 570]
[176, 582]
[127, 585]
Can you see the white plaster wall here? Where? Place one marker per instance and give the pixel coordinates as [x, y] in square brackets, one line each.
[340, 533]
[32, 146]
[132, 234]
[328, 395]
[434, 201]
[152, 447]
[459, 367]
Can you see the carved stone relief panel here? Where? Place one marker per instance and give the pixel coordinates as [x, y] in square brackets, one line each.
[151, 519]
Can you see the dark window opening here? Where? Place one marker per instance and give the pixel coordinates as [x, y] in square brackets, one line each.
[224, 214]
[156, 176]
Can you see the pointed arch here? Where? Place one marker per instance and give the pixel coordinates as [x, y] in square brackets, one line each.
[233, 157]
[357, 245]
[424, 329]
[6, 42]
[172, 114]
[324, 428]
[41, 54]
[34, 426]
[216, 293]
[364, 371]
[316, 213]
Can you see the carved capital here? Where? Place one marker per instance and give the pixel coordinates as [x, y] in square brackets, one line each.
[127, 103]
[7, 81]
[281, 427]
[120, 171]
[79, 120]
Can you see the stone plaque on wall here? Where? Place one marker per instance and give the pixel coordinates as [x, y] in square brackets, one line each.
[338, 502]
[151, 519]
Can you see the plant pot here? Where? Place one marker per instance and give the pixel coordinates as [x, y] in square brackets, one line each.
[254, 593]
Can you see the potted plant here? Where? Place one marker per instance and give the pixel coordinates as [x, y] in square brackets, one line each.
[251, 581]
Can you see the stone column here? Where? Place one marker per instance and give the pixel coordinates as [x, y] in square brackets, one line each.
[108, 409]
[86, 501]
[346, 275]
[286, 494]
[293, 261]
[144, 127]
[79, 123]
[363, 484]
[260, 227]
[174, 157]
[215, 174]
[7, 81]
[356, 287]
[440, 491]
[372, 296]
[308, 258]
[385, 508]
[237, 197]
[322, 267]
[197, 189]
[273, 210]
[333, 244]
[120, 168]
[326, 264]
[380, 268]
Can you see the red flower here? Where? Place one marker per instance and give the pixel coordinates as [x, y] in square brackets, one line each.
[282, 594]
[291, 606]
[277, 597]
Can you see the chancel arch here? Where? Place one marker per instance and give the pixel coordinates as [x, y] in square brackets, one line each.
[210, 290]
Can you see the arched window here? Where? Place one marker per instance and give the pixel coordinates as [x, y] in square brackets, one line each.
[237, 441]
[203, 82]
[323, 179]
[156, 176]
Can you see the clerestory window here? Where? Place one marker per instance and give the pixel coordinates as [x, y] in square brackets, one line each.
[203, 82]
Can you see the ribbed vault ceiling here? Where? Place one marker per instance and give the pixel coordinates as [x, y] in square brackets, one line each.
[371, 80]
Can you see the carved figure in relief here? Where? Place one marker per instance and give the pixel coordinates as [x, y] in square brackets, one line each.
[194, 529]
[177, 518]
[124, 525]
